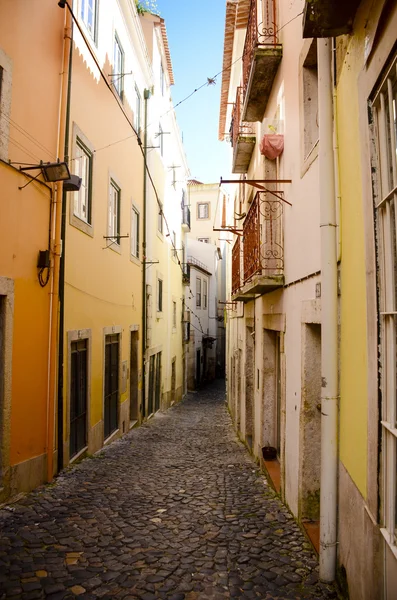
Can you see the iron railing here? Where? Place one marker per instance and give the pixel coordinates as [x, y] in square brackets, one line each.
[185, 273]
[261, 32]
[236, 267]
[263, 236]
[239, 127]
[186, 216]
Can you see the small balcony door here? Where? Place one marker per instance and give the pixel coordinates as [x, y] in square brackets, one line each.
[111, 409]
[134, 411]
[78, 397]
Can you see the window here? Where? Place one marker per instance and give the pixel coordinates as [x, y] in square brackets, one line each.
[198, 292]
[134, 232]
[174, 315]
[203, 210]
[5, 103]
[114, 212]
[83, 168]
[205, 293]
[162, 80]
[138, 105]
[205, 240]
[174, 252]
[384, 106]
[118, 66]
[89, 14]
[160, 295]
[160, 219]
[310, 100]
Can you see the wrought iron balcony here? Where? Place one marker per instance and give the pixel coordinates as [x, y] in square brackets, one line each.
[186, 273]
[243, 137]
[326, 18]
[186, 218]
[263, 249]
[261, 58]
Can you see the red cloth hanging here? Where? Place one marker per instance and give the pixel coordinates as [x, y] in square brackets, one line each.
[272, 145]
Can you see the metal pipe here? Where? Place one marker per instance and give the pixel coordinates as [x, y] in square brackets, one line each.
[329, 318]
[57, 251]
[146, 96]
[61, 337]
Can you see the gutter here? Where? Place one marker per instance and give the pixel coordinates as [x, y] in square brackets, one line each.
[146, 96]
[329, 317]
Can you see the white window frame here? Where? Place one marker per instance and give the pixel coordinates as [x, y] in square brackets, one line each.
[118, 66]
[205, 293]
[82, 201]
[114, 210]
[162, 79]
[205, 206]
[160, 220]
[135, 222]
[85, 10]
[161, 143]
[174, 314]
[138, 108]
[198, 292]
[160, 295]
[5, 103]
[383, 105]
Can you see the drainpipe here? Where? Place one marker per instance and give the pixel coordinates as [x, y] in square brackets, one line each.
[62, 274]
[57, 251]
[146, 96]
[329, 318]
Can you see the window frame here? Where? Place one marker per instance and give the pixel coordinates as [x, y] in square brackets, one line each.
[87, 189]
[138, 109]
[205, 293]
[160, 294]
[94, 32]
[198, 292]
[162, 79]
[135, 238]
[160, 219]
[174, 314]
[118, 74]
[114, 237]
[161, 136]
[384, 173]
[207, 205]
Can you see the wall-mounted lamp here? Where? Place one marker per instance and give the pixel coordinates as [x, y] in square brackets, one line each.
[58, 171]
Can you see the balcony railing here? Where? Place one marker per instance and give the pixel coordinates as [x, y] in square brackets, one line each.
[263, 237]
[186, 217]
[263, 249]
[242, 136]
[236, 266]
[261, 57]
[185, 273]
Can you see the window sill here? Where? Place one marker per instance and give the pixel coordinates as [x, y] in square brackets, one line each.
[111, 437]
[82, 225]
[78, 455]
[309, 159]
[386, 535]
[112, 246]
[135, 260]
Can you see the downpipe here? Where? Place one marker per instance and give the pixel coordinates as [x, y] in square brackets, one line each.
[329, 318]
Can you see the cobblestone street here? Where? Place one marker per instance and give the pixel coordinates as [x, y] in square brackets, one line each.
[176, 509]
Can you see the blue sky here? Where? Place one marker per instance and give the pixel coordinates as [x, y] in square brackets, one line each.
[195, 34]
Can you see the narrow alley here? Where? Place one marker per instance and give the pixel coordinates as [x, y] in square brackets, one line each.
[176, 509]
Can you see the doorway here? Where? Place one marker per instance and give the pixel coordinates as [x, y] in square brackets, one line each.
[134, 409]
[310, 424]
[78, 397]
[198, 367]
[173, 380]
[249, 385]
[111, 409]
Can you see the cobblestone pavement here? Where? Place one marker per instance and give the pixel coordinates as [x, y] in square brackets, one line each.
[176, 509]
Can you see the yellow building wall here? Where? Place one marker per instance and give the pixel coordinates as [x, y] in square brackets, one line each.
[353, 351]
[103, 287]
[25, 214]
